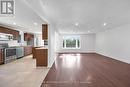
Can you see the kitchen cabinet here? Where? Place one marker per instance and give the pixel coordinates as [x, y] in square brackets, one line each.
[41, 56]
[28, 36]
[44, 31]
[15, 33]
[34, 51]
[27, 50]
[1, 56]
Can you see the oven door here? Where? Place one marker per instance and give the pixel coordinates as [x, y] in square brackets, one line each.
[10, 54]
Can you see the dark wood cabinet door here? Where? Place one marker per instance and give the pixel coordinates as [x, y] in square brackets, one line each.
[25, 36]
[34, 52]
[27, 50]
[41, 57]
[1, 56]
[15, 33]
[45, 31]
[28, 36]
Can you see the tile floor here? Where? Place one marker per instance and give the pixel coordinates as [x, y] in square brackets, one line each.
[22, 73]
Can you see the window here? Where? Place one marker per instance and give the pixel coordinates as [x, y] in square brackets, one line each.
[71, 42]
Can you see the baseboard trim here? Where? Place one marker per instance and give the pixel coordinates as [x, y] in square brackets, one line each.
[113, 58]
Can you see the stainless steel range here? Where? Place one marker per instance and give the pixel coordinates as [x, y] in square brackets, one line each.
[9, 52]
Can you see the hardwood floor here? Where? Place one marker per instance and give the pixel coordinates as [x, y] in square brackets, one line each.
[87, 70]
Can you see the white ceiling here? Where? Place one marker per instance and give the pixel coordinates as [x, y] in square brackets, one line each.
[24, 18]
[63, 14]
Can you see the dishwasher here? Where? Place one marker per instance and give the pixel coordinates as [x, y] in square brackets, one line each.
[19, 52]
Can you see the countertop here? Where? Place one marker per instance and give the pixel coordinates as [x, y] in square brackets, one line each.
[42, 48]
[38, 46]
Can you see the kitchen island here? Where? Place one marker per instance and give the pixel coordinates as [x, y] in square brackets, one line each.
[41, 56]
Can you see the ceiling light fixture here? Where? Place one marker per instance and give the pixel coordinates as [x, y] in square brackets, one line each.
[88, 31]
[105, 24]
[14, 23]
[35, 23]
[76, 24]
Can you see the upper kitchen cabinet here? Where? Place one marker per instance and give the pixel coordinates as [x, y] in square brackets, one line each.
[44, 31]
[15, 33]
[28, 36]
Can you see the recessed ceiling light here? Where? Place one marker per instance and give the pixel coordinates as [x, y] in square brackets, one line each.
[35, 23]
[76, 24]
[14, 23]
[89, 31]
[105, 24]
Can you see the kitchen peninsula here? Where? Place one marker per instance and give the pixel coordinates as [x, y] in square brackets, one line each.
[41, 56]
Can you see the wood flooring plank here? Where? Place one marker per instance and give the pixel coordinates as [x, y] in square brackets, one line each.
[87, 70]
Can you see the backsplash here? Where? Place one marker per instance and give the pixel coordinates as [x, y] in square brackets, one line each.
[14, 43]
[11, 43]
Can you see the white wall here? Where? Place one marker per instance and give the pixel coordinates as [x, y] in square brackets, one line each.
[87, 44]
[56, 41]
[115, 43]
[51, 45]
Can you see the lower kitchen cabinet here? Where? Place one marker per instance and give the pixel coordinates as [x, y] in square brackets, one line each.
[27, 50]
[34, 51]
[41, 57]
[1, 56]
